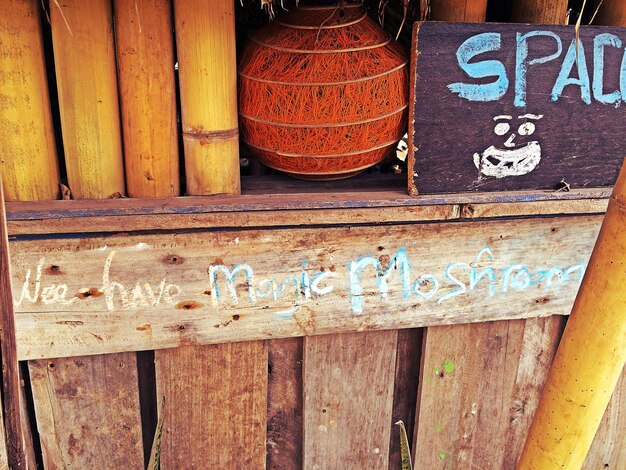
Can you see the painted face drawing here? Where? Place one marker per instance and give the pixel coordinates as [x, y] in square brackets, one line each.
[519, 155]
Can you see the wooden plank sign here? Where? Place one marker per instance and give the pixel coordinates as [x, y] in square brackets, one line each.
[81, 295]
[513, 106]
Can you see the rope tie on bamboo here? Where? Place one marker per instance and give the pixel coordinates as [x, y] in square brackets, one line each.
[211, 136]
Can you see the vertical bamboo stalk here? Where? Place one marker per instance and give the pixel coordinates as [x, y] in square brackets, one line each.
[539, 11]
[611, 13]
[84, 56]
[205, 38]
[145, 54]
[8, 351]
[470, 11]
[28, 157]
[591, 355]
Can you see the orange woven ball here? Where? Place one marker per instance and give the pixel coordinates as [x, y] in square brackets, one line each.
[322, 93]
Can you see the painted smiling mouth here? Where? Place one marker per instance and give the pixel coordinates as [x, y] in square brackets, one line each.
[508, 162]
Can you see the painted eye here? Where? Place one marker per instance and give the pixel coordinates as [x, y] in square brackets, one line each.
[526, 129]
[502, 128]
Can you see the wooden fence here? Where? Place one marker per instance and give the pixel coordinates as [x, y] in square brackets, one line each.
[125, 309]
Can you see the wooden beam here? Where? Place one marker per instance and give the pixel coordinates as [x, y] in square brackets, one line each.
[44, 210]
[76, 296]
[12, 422]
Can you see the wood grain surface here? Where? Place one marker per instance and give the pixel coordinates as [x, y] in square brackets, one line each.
[11, 389]
[348, 399]
[480, 387]
[87, 412]
[215, 406]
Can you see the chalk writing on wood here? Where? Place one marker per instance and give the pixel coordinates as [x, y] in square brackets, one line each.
[516, 107]
[162, 290]
[394, 276]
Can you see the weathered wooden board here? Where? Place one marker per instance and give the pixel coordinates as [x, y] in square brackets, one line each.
[479, 390]
[407, 373]
[88, 418]
[284, 404]
[81, 296]
[215, 406]
[608, 449]
[513, 106]
[4, 462]
[348, 399]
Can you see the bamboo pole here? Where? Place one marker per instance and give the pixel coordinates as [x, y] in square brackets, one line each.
[611, 13]
[470, 11]
[205, 38]
[539, 11]
[28, 158]
[145, 54]
[8, 350]
[591, 354]
[84, 56]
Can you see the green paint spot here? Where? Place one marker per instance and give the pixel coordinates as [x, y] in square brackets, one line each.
[441, 455]
[448, 366]
[435, 371]
[438, 427]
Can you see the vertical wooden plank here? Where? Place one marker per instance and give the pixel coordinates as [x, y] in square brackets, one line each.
[348, 399]
[608, 449]
[28, 159]
[284, 404]
[4, 460]
[480, 387]
[469, 11]
[84, 57]
[12, 422]
[408, 359]
[207, 69]
[145, 57]
[89, 417]
[539, 11]
[215, 406]
[27, 432]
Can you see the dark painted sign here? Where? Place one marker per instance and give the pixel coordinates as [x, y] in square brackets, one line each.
[513, 106]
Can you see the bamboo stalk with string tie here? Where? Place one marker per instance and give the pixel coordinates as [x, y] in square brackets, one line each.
[207, 68]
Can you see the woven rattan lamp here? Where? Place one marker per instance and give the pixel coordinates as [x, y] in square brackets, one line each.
[322, 93]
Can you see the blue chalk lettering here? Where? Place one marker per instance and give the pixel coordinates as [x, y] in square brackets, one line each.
[485, 42]
[599, 43]
[356, 290]
[425, 279]
[317, 280]
[622, 75]
[461, 286]
[564, 78]
[476, 276]
[521, 64]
